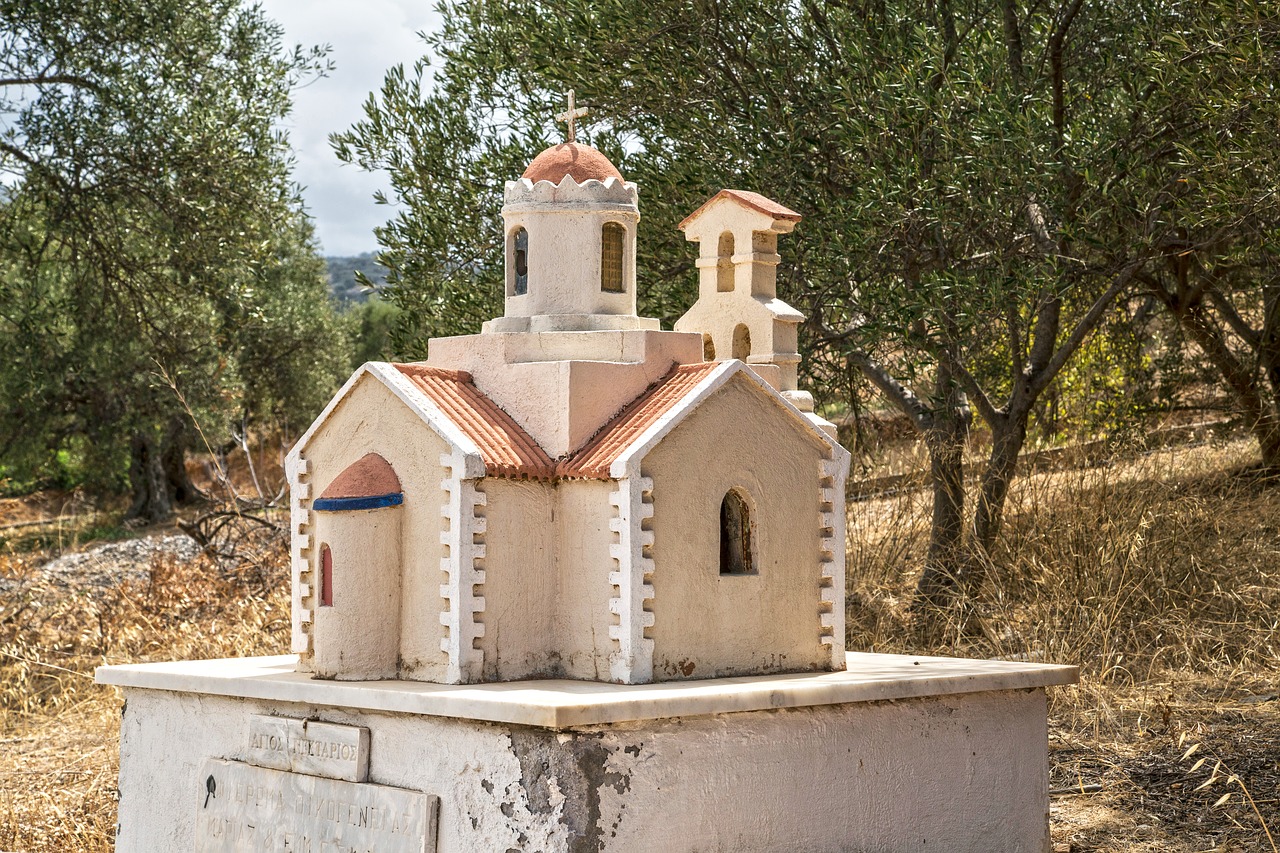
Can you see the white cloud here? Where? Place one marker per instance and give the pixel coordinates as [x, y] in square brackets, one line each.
[367, 38]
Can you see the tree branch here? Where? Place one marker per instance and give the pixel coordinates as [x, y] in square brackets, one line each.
[900, 395]
[46, 79]
[986, 409]
[1086, 325]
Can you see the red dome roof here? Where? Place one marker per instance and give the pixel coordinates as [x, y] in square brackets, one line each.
[370, 476]
[582, 162]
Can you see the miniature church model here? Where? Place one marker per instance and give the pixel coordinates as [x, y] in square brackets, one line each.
[576, 583]
[573, 492]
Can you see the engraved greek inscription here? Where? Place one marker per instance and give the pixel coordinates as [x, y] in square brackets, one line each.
[261, 810]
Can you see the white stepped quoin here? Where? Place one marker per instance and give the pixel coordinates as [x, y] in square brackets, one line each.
[298, 473]
[632, 579]
[462, 565]
[831, 557]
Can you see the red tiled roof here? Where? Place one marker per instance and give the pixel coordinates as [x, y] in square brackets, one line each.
[582, 162]
[592, 461]
[509, 451]
[506, 448]
[755, 201]
[368, 476]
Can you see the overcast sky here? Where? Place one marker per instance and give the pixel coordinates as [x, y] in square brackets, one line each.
[367, 38]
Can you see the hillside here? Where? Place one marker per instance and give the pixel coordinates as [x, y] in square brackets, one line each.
[343, 284]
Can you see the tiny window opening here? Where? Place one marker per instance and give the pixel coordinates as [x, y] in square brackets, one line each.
[737, 554]
[520, 261]
[326, 576]
[724, 263]
[612, 239]
[741, 342]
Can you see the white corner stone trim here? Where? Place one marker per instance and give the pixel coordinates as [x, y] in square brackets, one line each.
[632, 579]
[831, 556]
[462, 565]
[298, 473]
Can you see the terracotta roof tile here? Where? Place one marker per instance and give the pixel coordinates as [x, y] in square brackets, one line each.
[368, 476]
[755, 201]
[593, 460]
[582, 162]
[508, 450]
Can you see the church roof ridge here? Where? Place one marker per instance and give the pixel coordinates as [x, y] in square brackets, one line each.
[755, 201]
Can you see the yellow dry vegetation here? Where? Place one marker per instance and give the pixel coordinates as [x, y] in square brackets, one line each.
[1159, 575]
[59, 730]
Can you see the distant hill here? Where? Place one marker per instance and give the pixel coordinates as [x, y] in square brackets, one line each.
[342, 277]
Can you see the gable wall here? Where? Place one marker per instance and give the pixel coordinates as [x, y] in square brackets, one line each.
[708, 625]
[372, 420]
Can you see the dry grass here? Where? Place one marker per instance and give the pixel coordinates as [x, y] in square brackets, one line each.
[1159, 576]
[60, 731]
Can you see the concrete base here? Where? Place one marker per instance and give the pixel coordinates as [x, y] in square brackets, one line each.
[959, 767]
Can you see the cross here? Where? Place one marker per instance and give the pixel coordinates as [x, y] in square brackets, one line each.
[571, 116]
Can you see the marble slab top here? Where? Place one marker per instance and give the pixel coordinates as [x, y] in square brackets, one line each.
[562, 704]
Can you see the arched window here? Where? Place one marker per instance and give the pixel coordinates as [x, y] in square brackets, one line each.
[737, 551]
[612, 239]
[708, 348]
[741, 342]
[326, 576]
[520, 261]
[724, 263]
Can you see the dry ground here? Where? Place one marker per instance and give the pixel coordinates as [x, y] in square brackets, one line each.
[1160, 576]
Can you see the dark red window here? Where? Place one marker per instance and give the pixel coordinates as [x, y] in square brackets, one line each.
[326, 576]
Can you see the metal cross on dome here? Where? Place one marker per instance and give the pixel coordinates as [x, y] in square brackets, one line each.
[571, 116]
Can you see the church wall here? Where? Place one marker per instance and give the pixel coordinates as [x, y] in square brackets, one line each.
[520, 625]
[583, 513]
[372, 420]
[707, 624]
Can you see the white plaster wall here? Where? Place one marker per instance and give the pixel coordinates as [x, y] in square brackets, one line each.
[520, 588]
[960, 774]
[372, 420]
[358, 637]
[583, 512]
[706, 624]
[564, 259]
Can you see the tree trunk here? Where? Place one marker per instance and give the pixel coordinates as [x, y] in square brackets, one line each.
[944, 562]
[945, 437]
[1007, 440]
[152, 500]
[158, 475]
[1261, 418]
[173, 460]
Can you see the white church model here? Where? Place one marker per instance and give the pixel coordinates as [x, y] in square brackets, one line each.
[576, 584]
[573, 493]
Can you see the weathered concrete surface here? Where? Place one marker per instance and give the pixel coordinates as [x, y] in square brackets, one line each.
[961, 773]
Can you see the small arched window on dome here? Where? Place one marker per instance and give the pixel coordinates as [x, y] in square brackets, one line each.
[520, 262]
[724, 263]
[613, 238]
[737, 550]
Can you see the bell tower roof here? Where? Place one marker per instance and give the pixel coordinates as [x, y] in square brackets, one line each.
[580, 162]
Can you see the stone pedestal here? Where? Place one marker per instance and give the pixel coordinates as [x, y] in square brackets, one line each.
[898, 753]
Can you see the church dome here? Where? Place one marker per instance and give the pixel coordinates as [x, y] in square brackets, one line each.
[370, 476]
[581, 162]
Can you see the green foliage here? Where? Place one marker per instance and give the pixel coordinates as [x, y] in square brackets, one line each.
[155, 269]
[371, 327]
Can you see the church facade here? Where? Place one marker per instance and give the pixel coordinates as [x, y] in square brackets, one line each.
[574, 492]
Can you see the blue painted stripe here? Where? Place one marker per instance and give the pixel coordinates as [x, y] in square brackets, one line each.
[344, 504]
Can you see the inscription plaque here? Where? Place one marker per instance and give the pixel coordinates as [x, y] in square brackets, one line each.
[241, 808]
[305, 746]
